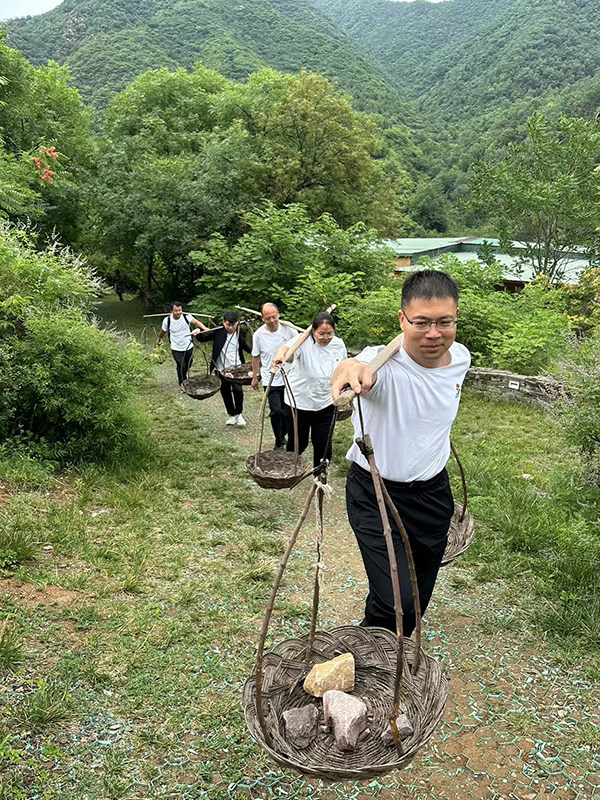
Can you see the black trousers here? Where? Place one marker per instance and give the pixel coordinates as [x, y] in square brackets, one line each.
[315, 423]
[233, 397]
[183, 359]
[426, 509]
[281, 418]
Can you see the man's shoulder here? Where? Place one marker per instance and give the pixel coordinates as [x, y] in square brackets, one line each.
[461, 355]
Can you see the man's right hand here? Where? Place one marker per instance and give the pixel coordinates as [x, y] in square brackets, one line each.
[158, 342]
[354, 374]
[254, 383]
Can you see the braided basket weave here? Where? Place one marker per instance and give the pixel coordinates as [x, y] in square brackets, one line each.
[200, 387]
[374, 651]
[241, 374]
[460, 535]
[275, 469]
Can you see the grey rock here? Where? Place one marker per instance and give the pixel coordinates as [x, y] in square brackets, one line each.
[347, 715]
[405, 729]
[301, 725]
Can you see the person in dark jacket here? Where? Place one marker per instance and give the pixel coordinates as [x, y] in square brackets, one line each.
[229, 345]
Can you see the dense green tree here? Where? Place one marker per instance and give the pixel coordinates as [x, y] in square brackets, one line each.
[184, 155]
[279, 253]
[43, 117]
[545, 193]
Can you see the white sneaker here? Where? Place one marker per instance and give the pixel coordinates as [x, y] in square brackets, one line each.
[231, 420]
[241, 422]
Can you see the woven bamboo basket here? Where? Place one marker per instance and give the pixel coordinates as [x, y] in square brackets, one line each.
[374, 651]
[241, 374]
[460, 535]
[275, 469]
[391, 672]
[201, 386]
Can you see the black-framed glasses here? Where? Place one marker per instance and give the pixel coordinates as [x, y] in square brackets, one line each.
[426, 324]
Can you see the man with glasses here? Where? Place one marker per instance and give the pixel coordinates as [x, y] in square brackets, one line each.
[265, 343]
[408, 410]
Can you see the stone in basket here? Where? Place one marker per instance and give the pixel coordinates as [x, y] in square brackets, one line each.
[241, 374]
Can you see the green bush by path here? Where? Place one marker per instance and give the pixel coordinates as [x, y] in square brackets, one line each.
[68, 387]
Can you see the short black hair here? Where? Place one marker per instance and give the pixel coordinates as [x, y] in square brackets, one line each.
[230, 316]
[269, 303]
[176, 303]
[320, 318]
[427, 284]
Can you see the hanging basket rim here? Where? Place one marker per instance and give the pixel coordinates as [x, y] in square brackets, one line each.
[382, 640]
[461, 535]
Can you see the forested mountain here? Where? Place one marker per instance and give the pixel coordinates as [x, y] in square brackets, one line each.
[461, 59]
[106, 43]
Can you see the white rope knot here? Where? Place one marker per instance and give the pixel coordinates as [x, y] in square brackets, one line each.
[326, 488]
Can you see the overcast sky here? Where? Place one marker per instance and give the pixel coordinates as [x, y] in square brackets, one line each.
[21, 8]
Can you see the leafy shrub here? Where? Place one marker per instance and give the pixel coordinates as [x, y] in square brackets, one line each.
[315, 291]
[373, 318]
[579, 411]
[70, 387]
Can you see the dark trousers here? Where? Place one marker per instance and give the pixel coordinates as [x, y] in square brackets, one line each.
[183, 359]
[315, 423]
[233, 397]
[281, 418]
[426, 509]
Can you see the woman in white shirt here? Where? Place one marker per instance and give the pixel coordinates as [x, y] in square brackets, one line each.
[313, 365]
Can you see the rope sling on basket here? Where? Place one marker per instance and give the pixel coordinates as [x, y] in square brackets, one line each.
[276, 469]
[200, 387]
[390, 671]
[240, 373]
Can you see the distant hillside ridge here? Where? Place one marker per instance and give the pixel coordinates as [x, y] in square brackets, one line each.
[461, 59]
[106, 43]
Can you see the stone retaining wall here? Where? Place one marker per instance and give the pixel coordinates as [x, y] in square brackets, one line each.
[509, 385]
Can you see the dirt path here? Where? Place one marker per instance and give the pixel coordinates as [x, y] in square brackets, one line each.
[517, 724]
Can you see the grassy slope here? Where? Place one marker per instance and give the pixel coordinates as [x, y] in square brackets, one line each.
[140, 609]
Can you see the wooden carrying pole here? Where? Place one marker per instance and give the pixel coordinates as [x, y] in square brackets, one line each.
[301, 339]
[283, 322]
[346, 397]
[167, 313]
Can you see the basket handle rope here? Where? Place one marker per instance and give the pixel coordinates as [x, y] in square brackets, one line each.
[265, 626]
[261, 429]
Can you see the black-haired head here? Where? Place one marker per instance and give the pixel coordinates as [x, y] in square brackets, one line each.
[176, 304]
[428, 284]
[323, 317]
[230, 316]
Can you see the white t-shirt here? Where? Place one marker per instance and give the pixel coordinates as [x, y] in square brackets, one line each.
[179, 332]
[409, 414]
[311, 372]
[229, 355]
[265, 344]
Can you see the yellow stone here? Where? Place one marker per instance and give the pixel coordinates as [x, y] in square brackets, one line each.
[335, 674]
